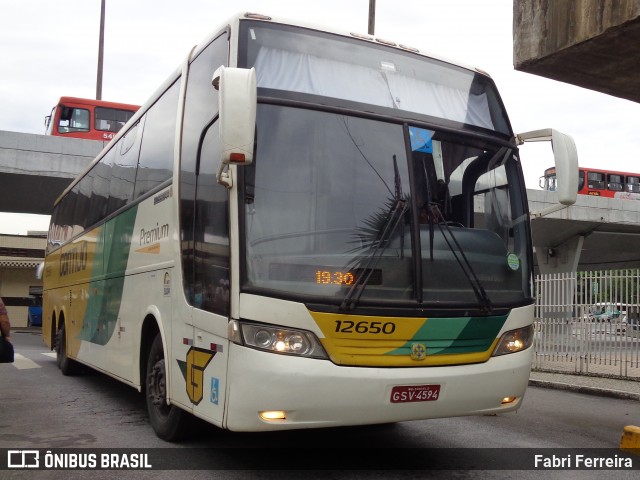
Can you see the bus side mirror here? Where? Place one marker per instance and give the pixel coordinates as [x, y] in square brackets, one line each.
[566, 160]
[39, 270]
[542, 183]
[237, 102]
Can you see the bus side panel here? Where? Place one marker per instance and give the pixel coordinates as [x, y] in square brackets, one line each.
[143, 295]
[104, 296]
[153, 291]
[89, 273]
[148, 285]
[106, 332]
[105, 284]
[71, 283]
[47, 318]
[206, 363]
[138, 265]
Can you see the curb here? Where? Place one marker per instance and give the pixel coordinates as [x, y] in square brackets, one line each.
[28, 330]
[586, 390]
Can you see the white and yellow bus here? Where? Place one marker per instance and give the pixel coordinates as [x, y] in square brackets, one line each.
[303, 228]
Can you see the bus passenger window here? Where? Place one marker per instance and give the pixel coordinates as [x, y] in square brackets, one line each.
[615, 183]
[111, 119]
[123, 170]
[595, 181]
[156, 150]
[633, 184]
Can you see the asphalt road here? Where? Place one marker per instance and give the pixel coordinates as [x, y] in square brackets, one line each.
[42, 409]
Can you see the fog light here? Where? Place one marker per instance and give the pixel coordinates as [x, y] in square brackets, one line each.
[507, 400]
[271, 415]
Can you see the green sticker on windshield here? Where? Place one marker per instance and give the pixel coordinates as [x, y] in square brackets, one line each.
[513, 261]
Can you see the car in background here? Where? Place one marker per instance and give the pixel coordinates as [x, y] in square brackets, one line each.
[34, 318]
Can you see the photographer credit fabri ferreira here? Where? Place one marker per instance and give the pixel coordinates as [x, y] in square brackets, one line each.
[576, 461]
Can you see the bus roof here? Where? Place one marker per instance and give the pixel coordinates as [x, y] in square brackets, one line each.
[233, 21]
[98, 103]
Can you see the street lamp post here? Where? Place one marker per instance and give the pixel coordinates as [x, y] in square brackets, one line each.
[100, 53]
[372, 16]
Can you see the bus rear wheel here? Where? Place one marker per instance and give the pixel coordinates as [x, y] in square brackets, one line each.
[168, 421]
[66, 365]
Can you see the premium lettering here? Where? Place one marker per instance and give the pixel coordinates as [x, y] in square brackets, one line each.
[154, 235]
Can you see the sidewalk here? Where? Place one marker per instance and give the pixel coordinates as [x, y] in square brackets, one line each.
[593, 385]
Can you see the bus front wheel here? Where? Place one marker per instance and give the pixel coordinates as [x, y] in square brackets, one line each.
[168, 421]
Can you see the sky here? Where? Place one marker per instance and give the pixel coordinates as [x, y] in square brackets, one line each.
[50, 49]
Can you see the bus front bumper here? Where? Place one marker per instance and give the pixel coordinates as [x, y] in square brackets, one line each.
[311, 393]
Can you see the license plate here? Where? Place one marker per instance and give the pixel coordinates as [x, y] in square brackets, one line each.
[415, 393]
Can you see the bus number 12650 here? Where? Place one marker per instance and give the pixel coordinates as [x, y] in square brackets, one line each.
[347, 326]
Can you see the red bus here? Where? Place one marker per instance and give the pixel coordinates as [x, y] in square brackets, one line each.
[599, 183]
[89, 119]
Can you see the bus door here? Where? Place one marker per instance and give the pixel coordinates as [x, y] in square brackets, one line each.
[206, 360]
[204, 218]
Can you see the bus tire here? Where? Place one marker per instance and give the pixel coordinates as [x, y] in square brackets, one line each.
[169, 422]
[66, 365]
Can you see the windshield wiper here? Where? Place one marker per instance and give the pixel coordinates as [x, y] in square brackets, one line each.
[461, 258]
[394, 218]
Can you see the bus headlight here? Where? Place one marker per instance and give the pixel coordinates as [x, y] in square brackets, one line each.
[276, 339]
[514, 341]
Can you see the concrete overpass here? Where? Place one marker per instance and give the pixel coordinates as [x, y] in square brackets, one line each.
[589, 43]
[595, 233]
[35, 169]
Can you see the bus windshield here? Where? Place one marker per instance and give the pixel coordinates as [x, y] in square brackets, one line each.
[335, 208]
[305, 61]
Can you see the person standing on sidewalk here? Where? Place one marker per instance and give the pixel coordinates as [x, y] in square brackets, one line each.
[6, 347]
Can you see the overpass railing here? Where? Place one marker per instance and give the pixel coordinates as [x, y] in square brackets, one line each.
[588, 323]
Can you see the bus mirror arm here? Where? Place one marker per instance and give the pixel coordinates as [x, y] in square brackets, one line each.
[566, 161]
[223, 176]
[237, 103]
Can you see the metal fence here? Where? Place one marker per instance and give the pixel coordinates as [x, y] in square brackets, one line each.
[588, 322]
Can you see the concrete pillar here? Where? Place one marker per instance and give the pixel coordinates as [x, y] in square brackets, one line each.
[562, 258]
